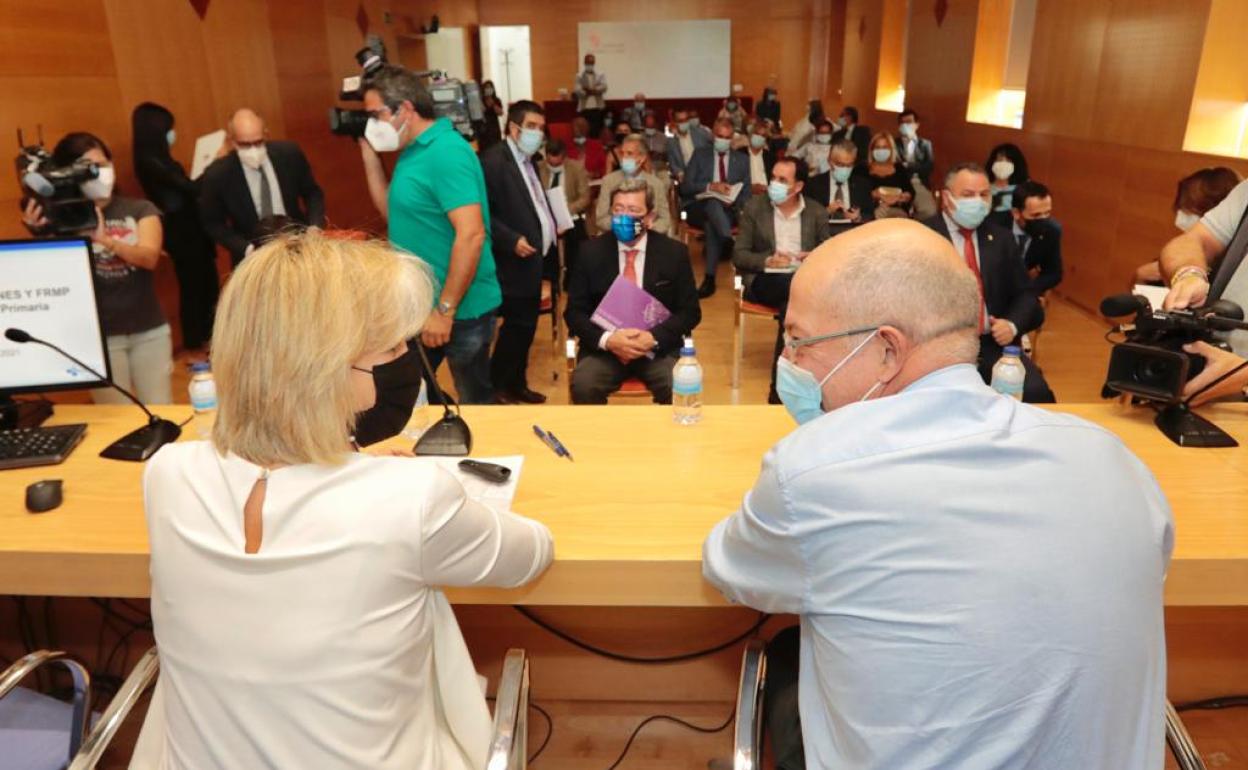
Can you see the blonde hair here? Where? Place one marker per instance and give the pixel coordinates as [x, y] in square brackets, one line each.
[291, 320]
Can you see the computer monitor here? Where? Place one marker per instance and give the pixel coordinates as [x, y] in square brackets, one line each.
[47, 288]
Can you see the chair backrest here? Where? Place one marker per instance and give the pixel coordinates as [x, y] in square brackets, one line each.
[141, 677]
[747, 732]
[1181, 745]
[509, 743]
[28, 664]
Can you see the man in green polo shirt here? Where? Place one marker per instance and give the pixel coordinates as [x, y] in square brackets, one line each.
[436, 209]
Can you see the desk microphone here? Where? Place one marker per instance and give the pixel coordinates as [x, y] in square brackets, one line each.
[135, 446]
[449, 436]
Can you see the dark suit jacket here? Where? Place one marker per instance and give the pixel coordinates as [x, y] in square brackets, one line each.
[924, 158]
[512, 215]
[756, 238]
[861, 137]
[1044, 258]
[1007, 292]
[820, 186]
[225, 203]
[701, 171]
[668, 277]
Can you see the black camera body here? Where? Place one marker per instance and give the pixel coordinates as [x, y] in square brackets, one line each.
[56, 189]
[458, 101]
[1151, 363]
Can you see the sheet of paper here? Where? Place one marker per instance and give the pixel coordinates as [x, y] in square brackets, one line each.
[789, 269]
[729, 198]
[497, 496]
[559, 207]
[206, 148]
[1155, 294]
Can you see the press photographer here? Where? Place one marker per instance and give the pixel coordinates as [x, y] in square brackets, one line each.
[436, 208]
[126, 237]
[1187, 261]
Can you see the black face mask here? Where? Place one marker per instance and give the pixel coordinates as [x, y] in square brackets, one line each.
[398, 386]
[1036, 228]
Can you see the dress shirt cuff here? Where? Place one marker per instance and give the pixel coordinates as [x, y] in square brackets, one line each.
[602, 341]
[1013, 328]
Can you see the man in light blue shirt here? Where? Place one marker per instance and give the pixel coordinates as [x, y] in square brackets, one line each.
[979, 581]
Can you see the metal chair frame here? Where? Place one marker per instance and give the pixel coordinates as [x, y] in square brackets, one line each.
[509, 742]
[80, 717]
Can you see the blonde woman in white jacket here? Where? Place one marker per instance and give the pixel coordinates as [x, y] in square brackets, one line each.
[295, 580]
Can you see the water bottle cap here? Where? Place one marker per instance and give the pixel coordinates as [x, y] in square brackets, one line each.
[687, 349]
[1013, 350]
[201, 366]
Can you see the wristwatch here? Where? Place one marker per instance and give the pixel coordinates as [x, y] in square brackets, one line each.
[446, 308]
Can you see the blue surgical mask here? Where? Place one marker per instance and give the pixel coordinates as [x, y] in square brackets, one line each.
[881, 154]
[626, 228]
[578, 140]
[909, 130]
[721, 144]
[696, 121]
[628, 166]
[802, 394]
[171, 136]
[639, 106]
[823, 138]
[842, 173]
[683, 126]
[969, 212]
[777, 191]
[651, 131]
[530, 140]
[757, 141]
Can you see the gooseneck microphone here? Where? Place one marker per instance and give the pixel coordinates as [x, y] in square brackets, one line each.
[135, 446]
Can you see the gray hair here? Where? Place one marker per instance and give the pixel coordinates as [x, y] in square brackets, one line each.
[632, 186]
[958, 168]
[887, 281]
[846, 145]
[636, 139]
[396, 85]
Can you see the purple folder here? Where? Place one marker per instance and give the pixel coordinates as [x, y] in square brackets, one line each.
[628, 306]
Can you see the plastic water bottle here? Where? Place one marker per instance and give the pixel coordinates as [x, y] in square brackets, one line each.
[1008, 374]
[687, 386]
[203, 392]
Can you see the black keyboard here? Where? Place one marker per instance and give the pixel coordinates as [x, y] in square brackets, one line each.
[24, 447]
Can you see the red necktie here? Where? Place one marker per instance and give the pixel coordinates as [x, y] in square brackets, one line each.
[968, 252]
[630, 265]
[723, 168]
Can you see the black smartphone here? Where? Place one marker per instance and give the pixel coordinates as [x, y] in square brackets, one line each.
[492, 472]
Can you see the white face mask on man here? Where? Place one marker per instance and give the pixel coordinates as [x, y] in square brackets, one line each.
[382, 135]
[253, 157]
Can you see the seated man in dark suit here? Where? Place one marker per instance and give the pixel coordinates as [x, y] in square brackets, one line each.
[658, 264]
[1038, 235]
[777, 232]
[1010, 308]
[714, 170]
[844, 190]
[246, 194]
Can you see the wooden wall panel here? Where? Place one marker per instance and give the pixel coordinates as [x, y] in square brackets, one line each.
[242, 69]
[1148, 71]
[767, 38]
[1065, 58]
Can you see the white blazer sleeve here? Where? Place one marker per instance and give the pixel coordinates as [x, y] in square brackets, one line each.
[467, 543]
[754, 557]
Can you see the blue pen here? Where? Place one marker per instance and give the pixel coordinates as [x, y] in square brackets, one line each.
[546, 439]
[563, 450]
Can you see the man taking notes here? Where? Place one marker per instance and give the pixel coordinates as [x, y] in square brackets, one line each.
[979, 581]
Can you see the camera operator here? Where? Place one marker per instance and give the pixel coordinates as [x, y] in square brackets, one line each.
[126, 246]
[436, 208]
[1186, 263]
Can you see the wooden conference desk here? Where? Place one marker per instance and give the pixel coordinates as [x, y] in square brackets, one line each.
[628, 515]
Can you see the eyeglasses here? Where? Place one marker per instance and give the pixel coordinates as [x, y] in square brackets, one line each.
[792, 343]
